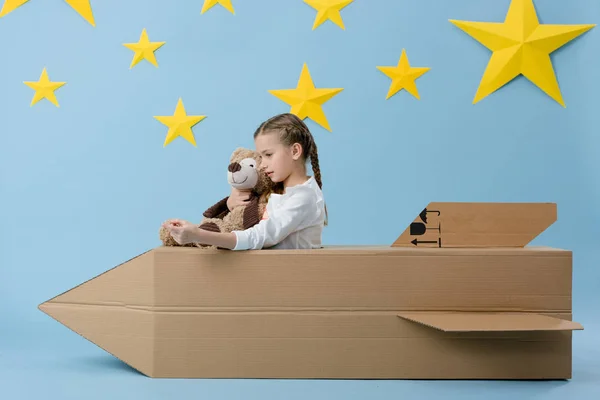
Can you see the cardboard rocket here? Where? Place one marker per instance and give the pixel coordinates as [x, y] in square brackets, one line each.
[459, 295]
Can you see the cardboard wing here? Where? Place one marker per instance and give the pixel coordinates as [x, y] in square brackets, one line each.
[360, 312]
[490, 321]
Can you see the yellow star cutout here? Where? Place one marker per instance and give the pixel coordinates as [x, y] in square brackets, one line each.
[306, 100]
[520, 45]
[82, 7]
[328, 10]
[144, 49]
[44, 88]
[208, 4]
[11, 5]
[403, 76]
[180, 124]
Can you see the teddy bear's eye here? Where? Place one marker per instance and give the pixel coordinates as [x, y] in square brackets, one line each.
[252, 165]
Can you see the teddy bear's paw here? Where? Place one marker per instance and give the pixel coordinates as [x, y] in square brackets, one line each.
[210, 226]
[166, 238]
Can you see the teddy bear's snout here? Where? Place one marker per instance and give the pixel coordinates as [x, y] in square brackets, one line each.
[234, 167]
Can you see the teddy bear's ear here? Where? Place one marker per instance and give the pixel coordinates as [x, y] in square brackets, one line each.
[236, 153]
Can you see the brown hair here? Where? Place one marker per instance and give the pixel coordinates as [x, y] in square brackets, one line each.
[293, 130]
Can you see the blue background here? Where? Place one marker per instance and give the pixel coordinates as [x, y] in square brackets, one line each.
[85, 186]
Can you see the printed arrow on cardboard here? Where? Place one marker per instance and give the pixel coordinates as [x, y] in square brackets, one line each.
[453, 224]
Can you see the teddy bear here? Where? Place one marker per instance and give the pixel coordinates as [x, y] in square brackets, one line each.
[243, 172]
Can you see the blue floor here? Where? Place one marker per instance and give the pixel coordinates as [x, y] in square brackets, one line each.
[60, 364]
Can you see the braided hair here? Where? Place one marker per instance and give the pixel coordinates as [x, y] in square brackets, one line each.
[293, 130]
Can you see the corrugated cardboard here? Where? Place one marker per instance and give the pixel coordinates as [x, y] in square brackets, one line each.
[478, 224]
[363, 312]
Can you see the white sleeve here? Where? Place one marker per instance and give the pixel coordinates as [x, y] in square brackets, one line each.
[292, 213]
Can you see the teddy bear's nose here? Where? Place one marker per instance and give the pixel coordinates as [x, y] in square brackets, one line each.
[234, 167]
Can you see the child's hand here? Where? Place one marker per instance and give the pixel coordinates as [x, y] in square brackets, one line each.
[183, 232]
[238, 198]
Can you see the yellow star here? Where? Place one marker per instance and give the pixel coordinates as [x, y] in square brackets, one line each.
[328, 10]
[520, 45]
[180, 124]
[44, 88]
[11, 5]
[208, 4]
[403, 76]
[306, 100]
[83, 8]
[144, 49]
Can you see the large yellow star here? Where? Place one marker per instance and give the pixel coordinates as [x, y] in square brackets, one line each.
[180, 124]
[44, 88]
[328, 10]
[403, 76]
[306, 100]
[144, 49]
[208, 4]
[520, 45]
[83, 8]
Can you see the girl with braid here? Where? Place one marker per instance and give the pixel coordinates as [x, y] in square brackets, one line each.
[295, 214]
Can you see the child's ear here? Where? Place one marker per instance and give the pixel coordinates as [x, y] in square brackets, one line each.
[297, 151]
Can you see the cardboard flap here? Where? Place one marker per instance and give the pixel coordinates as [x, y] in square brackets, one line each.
[443, 224]
[489, 321]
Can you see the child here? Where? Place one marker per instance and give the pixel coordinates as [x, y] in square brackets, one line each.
[295, 212]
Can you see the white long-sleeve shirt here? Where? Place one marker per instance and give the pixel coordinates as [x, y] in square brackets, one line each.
[293, 220]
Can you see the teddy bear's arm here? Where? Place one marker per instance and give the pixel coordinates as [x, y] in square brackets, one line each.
[218, 210]
[251, 213]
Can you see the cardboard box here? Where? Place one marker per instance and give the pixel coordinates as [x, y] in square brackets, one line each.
[466, 300]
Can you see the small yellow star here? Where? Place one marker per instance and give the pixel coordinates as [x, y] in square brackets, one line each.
[306, 100]
[180, 124]
[328, 10]
[44, 88]
[403, 76]
[520, 46]
[208, 4]
[11, 5]
[144, 49]
[82, 7]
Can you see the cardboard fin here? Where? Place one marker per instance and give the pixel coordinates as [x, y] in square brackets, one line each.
[490, 321]
[445, 224]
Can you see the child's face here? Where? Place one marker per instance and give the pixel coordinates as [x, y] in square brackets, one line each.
[277, 160]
